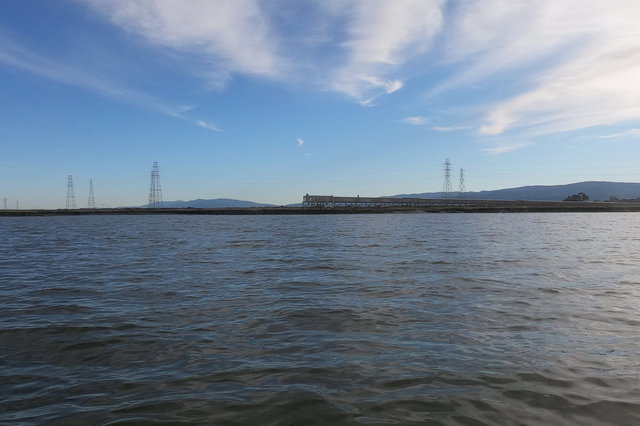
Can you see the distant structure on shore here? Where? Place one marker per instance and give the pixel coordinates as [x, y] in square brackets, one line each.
[91, 204]
[155, 192]
[71, 198]
[6, 205]
[447, 189]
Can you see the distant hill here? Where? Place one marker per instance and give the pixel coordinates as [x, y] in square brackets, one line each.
[597, 191]
[601, 191]
[215, 203]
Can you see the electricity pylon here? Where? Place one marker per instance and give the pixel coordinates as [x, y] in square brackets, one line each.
[155, 192]
[71, 198]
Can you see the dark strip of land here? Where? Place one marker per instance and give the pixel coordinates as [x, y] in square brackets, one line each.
[519, 207]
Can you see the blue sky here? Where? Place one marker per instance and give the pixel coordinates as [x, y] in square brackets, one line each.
[269, 100]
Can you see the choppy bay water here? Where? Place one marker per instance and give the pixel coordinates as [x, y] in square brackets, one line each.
[455, 319]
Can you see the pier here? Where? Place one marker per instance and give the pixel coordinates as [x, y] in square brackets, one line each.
[330, 201]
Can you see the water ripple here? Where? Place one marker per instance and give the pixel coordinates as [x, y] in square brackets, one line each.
[278, 320]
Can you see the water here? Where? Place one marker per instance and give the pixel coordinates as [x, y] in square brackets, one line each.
[454, 319]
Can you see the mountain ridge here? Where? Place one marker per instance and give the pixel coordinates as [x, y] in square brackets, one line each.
[596, 190]
[202, 203]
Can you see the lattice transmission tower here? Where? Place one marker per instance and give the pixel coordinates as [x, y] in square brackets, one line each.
[71, 198]
[446, 187]
[91, 204]
[461, 188]
[155, 192]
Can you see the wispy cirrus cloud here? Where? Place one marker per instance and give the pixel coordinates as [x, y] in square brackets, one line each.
[504, 147]
[382, 37]
[416, 120]
[20, 56]
[631, 133]
[209, 126]
[598, 88]
[450, 128]
[359, 45]
[574, 61]
[235, 36]
[559, 66]
[571, 64]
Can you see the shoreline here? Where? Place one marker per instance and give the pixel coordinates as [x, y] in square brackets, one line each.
[523, 207]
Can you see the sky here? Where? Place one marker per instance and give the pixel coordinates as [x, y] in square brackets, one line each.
[270, 100]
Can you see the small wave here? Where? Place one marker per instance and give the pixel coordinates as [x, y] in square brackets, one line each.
[538, 399]
[548, 381]
[84, 346]
[62, 291]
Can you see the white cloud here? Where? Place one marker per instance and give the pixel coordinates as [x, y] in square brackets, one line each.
[234, 36]
[368, 102]
[21, 57]
[449, 128]
[416, 121]
[631, 133]
[575, 61]
[558, 65]
[504, 147]
[393, 86]
[382, 37]
[577, 58]
[596, 89]
[354, 47]
[300, 141]
[209, 126]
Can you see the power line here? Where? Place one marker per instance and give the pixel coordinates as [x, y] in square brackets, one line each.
[461, 188]
[155, 192]
[71, 198]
